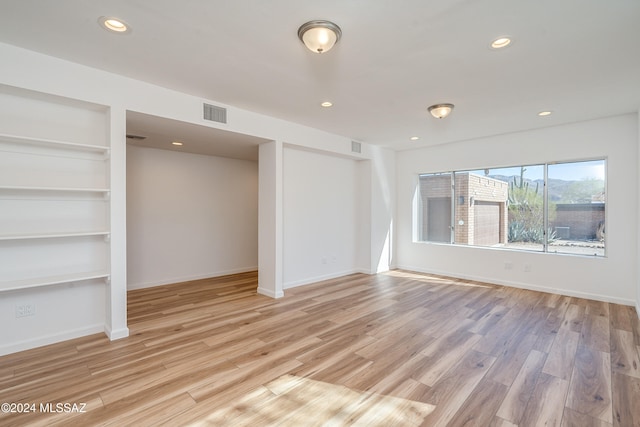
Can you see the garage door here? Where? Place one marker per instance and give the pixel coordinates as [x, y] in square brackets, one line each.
[487, 223]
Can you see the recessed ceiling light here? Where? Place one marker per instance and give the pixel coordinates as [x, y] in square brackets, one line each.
[177, 143]
[114, 25]
[544, 113]
[414, 138]
[501, 42]
[326, 104]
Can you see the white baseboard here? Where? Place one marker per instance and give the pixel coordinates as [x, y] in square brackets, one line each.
[310, 280]
[131, 286]
[117, 333]
[270, 293]
[586, 295]
[50, 339]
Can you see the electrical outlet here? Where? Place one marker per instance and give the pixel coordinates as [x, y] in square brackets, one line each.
[508, 265]
[24, 310]
[323, 260]
[527, 268]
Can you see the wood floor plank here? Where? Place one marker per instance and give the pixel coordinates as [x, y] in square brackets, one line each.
[620, 317]
[538, 411]
[625, 357]
[634, 319]
[480, 408]
[399, 348]
[489, 320]
[590, 388]
[451, 391]
[595, 333]
[626, 411]
[510, 361]
[561, 357]
[499, 422]
[442, 359]
[513, 405]
[573, 418]
[597, 308]
[574, 317]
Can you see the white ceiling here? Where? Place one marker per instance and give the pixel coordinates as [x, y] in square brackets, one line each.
[578, 58]
[162, 132]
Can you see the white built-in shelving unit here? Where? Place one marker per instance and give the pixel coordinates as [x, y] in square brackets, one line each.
[54, 196]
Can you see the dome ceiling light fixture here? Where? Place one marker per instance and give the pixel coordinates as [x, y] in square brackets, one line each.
[319, 36]
[440, 111]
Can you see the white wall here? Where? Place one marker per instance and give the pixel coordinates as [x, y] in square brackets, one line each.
[613, 278]
[638, 218]
[321, 213]
[189, 216]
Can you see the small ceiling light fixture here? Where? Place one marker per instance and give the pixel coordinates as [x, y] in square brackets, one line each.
[319, 36]
[440, 111]
[544, 113]
[500, 42]
[114, 25]
[326, 104]
[178, 143]
[414, 138]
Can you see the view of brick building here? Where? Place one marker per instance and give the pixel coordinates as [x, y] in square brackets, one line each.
[480, 208]
[579, 221]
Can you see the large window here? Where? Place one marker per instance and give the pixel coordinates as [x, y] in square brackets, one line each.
[554, 207]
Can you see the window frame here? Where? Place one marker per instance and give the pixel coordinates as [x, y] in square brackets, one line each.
[419, 209]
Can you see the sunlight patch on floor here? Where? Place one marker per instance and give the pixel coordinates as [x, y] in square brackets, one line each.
[296, 401]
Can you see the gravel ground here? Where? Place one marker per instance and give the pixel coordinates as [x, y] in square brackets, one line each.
[564, 246]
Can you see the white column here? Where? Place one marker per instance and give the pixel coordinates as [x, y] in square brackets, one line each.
[116, 298]
[270, 224]
[382, 210]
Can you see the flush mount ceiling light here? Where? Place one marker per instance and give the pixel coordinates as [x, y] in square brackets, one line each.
[501, 42]
[414, 138]
[114, 25]
[440, 111]
[319, 36]
[178, 143]
[326, 104]
[544, 113]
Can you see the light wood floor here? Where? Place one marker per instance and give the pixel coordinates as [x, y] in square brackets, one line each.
[393, 349]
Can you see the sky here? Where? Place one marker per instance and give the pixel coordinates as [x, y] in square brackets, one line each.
[574, 171]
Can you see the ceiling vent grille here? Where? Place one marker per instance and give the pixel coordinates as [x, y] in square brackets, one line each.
[215, 114]
[356, 147]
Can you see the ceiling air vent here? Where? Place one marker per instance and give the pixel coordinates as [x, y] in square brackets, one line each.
[215, 114]
[356, 147]
[136, 137]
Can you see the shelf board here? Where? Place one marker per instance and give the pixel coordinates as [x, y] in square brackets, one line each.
[17, 285]
[54, 189]
[52, 235]
[53, 143]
